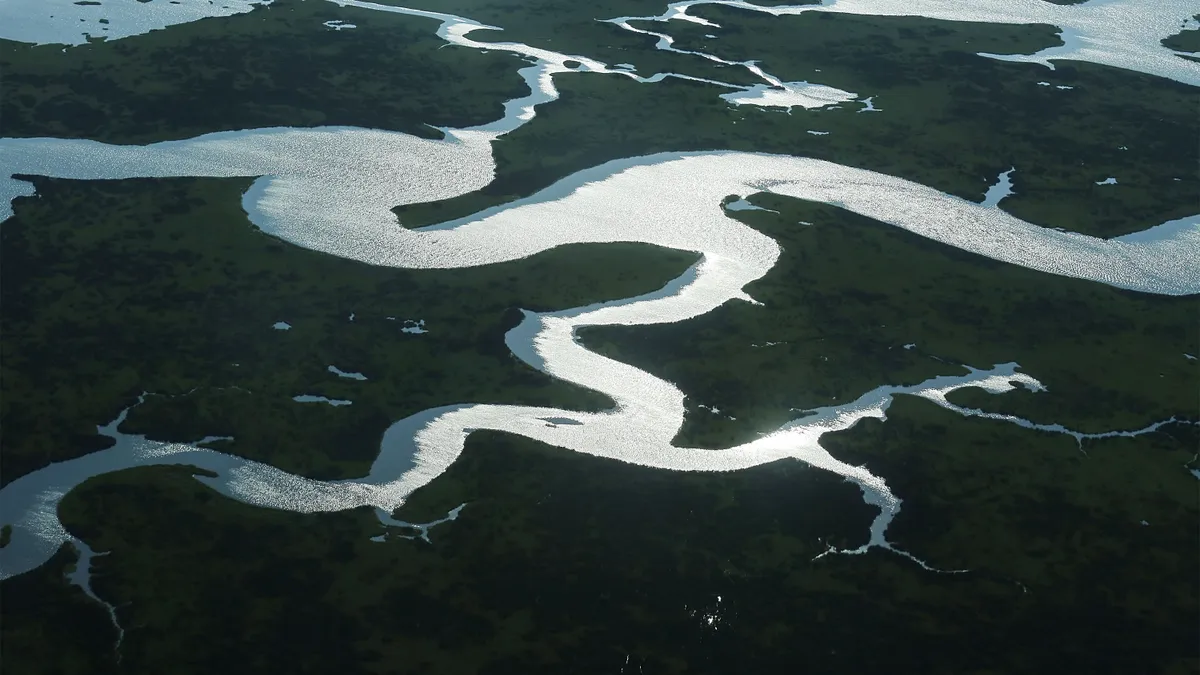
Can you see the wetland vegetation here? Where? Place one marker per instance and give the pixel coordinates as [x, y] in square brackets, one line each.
[565, 561]
[113, 288]
[245, 71]
[1081, 557]
[950, 119]
[853, 304]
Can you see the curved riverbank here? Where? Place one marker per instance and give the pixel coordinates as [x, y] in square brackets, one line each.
[332, 189]
[667, 200]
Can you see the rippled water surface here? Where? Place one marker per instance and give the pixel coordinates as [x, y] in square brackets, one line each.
[333, 189]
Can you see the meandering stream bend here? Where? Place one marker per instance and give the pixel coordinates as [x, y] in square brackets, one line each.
[332, 190]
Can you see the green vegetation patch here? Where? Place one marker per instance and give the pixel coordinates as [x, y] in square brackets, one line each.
[848, 294]
[948, 118]
[112, 288]
[1101, 540]
[561, 560]
[579, 28]
[275, 66]
[51, 627]
[557, 559]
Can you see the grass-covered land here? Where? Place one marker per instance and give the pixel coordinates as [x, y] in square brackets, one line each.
[950, 119]
[278, 65]
[849, 293]
[51, 627]
[112, 288]
[579, 28]
[564, 562]
[274, 66]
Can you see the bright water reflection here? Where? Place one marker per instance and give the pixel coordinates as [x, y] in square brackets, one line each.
[1121, 33]
[332, 190]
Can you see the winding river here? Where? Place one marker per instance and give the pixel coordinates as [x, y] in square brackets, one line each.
[332, 190]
